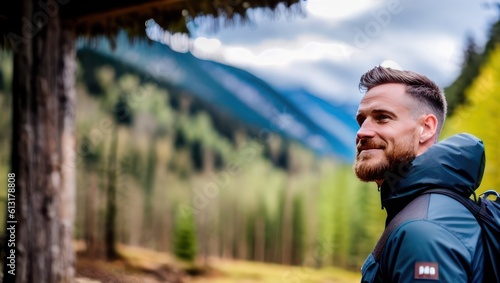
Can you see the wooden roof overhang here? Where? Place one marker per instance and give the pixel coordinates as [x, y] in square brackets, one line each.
[107, 17]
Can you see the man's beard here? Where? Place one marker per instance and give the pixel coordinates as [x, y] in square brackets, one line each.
[402, 155]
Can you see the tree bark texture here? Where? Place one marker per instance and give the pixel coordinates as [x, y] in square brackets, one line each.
[43, 147]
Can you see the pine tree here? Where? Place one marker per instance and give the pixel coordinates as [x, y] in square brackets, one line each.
[299, 230]
[185, 244]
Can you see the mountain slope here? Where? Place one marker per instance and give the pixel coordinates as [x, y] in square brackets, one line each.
[327, 129]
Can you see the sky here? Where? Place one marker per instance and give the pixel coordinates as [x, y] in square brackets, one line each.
[333, 42]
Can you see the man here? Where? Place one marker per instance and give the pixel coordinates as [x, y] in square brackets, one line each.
[400, 118]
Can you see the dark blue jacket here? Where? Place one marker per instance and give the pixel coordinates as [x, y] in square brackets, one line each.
[447, 238]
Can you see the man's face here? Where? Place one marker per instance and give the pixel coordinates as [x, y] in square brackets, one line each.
[389, 134]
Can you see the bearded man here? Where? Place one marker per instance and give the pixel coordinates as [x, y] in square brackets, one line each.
[400, 118]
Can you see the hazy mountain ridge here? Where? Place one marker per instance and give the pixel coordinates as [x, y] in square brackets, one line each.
[326, 128]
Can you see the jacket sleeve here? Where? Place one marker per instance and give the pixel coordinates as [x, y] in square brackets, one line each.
[422, 251]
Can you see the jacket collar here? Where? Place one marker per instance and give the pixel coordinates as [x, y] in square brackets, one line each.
[456, 163]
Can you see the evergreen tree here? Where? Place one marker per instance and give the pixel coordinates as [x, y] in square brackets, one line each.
[299, 230]
[455, 93]
[185, 244]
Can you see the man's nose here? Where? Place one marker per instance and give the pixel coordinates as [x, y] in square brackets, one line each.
[366, 130]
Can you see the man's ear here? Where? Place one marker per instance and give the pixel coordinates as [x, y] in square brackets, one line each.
[428, 129]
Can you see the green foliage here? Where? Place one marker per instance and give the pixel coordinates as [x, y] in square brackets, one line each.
[174, 150]
[341, 203]
[480, 117]
[455, 93]
[6, 129]
[184, 241]
[122, 113]
[90, 154]
[494, 38]
[472, 63]
[6, 71]
[299, 231]
[2, 83]
[351, 218]
[160, 161]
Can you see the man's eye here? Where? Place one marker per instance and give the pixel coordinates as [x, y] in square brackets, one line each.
[383, 118]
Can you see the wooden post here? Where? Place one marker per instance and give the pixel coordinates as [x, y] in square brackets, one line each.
[43, 147]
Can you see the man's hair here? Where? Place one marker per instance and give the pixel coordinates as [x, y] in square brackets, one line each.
[422, 89]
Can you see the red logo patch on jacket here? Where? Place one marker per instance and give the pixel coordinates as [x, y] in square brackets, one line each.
[426, 270]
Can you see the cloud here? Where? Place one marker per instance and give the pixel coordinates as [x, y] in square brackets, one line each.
[204, 47]
[339, 10]
[280, 56]
[327, 50]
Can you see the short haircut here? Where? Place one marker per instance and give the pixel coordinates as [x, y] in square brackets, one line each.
[422, 89]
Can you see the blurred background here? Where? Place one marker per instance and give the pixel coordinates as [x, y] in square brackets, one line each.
[225, 154]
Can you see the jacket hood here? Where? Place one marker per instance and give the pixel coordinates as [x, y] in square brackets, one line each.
[456, 163]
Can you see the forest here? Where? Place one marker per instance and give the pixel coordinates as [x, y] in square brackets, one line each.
[159, 169]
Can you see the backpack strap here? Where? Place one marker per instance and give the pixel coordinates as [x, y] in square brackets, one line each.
[471, 205]
[416, 209]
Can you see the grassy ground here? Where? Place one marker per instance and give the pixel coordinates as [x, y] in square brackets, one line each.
[142, 265]
[253, 272]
